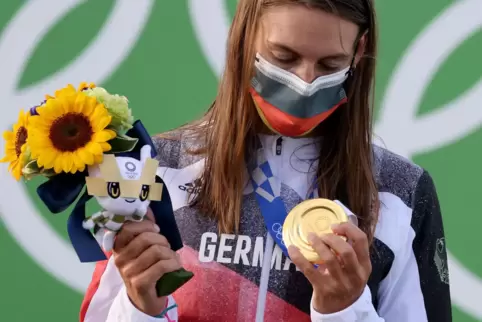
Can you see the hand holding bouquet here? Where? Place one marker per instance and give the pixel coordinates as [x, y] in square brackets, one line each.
[88, 137]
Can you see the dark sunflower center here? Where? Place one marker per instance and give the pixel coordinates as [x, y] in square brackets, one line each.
[70, 132]
[20, 140]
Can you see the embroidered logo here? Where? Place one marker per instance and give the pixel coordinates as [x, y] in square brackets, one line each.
[440, 259]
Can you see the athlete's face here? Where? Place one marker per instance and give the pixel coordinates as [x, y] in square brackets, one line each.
[307, 42]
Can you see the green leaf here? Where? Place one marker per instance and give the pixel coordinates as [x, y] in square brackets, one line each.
[122, 143]
[31, 170]
[31, 167]
[48, 173]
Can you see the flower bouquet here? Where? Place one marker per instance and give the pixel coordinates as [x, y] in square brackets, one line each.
[68, 132]
[87, 137]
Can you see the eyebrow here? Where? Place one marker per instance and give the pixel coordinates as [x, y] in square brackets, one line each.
[279, 46]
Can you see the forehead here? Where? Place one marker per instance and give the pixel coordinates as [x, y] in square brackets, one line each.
[308, 30]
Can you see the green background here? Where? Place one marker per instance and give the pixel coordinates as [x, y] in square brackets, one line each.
[169, 82]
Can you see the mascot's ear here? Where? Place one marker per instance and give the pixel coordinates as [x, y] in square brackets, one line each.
[61, 191]
[164, 216]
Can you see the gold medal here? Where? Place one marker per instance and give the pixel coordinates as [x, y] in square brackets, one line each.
[311, 216]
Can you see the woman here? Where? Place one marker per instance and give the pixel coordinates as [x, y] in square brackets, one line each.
[297, 93]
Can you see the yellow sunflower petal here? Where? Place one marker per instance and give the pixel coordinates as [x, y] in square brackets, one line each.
[47, 160]
[40, 110]
[102, 136]
[89, 106]
[70, 89]
[58, 164]
[102, 123]
[86, 156]
[11, 150]
[98, 158]
[39, 126]
[99, 113]
[40, 142]
[13, 165]
[8, 135]
[105, 146]
[63, 105]
[17, 173]
[8, 158]
[94, 148]
[68, 162]
[79, 104]
[10, 146]
[51, 111]
[112, 134]
[78, 163]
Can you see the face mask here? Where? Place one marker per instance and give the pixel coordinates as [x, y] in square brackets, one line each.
[288, 105]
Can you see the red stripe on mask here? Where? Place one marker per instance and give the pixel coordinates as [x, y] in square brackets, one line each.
[285, 124]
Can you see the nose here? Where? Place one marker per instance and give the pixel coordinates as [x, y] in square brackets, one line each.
[306, 72]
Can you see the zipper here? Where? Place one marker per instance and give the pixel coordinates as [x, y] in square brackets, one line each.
[279, 145]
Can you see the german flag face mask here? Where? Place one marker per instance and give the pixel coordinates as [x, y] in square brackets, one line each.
[288, 105]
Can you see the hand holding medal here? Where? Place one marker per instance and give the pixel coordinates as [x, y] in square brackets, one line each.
[318, 231]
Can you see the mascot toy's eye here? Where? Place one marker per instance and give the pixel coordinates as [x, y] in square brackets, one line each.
[113, 190]
[144, 192]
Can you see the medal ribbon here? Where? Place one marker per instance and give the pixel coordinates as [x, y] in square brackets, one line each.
[267, 190]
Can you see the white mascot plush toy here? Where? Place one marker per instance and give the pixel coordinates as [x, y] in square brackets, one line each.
[123, 187]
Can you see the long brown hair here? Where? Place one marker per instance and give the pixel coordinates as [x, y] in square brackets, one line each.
[229, 128]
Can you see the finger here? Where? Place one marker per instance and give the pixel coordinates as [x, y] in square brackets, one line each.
[132, 229]
[150, 215]
[149, 257]
[346, 255]
[147, 279]
[327, 256]
[304, 265]
[342, 249]
[138, 245]
[359, 241]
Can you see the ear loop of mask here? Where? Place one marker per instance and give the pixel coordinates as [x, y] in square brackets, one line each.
[351, 71]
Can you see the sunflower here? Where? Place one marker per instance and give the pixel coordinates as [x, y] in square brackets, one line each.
[15, 147]
[69, 132]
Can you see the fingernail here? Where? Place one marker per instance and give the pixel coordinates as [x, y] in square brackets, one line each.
[335, 226]
[156, 227]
